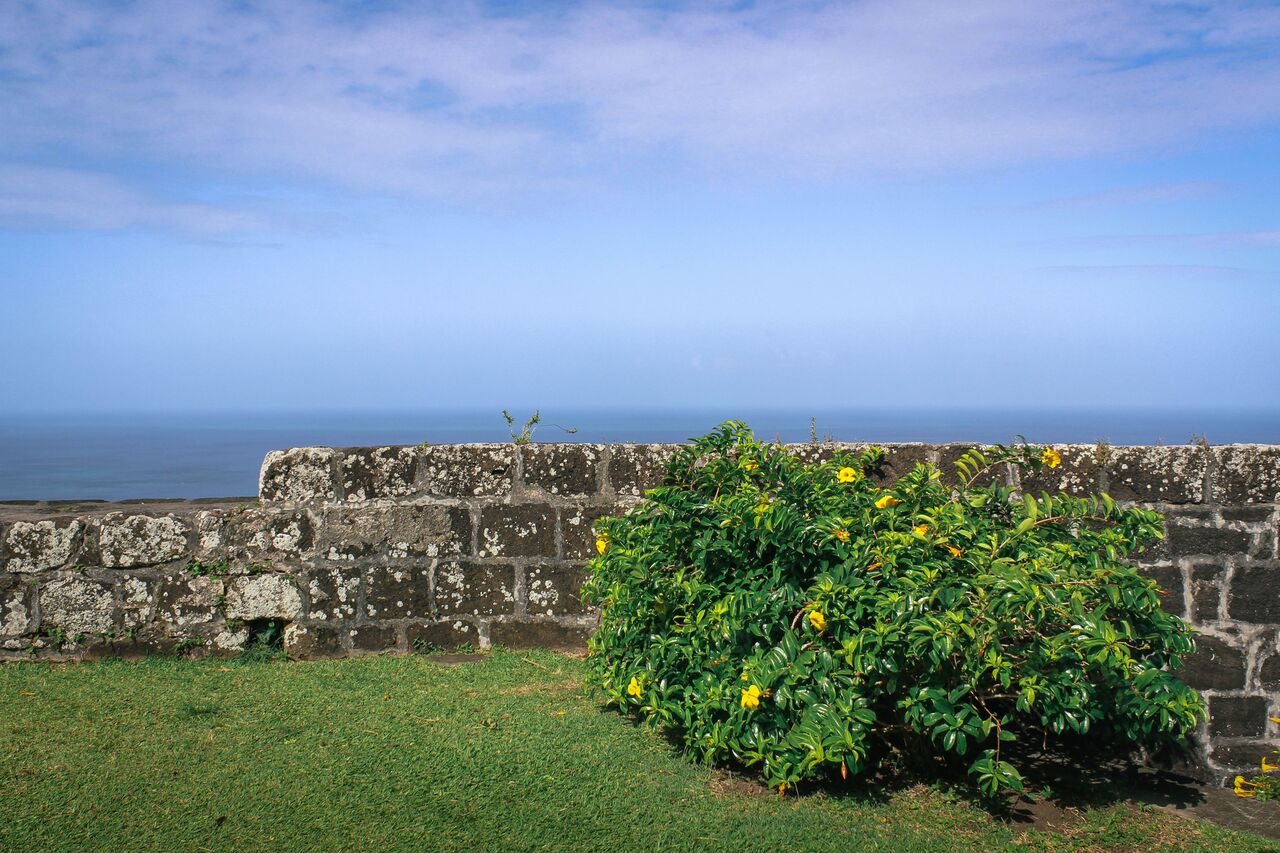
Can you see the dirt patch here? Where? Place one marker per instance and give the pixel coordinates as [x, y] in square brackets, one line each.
[729, 785]
[455, 658]
[1044, 815]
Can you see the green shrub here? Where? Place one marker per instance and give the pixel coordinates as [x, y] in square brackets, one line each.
[1264, 785]
[801, 619]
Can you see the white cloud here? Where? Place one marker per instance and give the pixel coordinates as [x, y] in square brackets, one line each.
[456, 104]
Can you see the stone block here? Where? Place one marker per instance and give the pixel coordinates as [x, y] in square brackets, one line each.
[299, 475]
[375, 639]
[448, 634]
[184, 600]
[1248, 514]
[1255, 594]
[210, 536]
[901, 459]
[1241, 756]
[539, 634]
[394, 532]
[333, 592]
[1237, 716]
[634, 468]
[378, 472]
[1169, 579]
[1215, 665]
[271, 596]
[1187, 539]
[267, 535]
[1206, 591]
[17, 600]
[1078, 474]
[137, 601]
[470, 588]
[577, 528]
[398, 592]
[522, 530]
[1269, 674]
[36, 546]
[562, 469]
[141, 540]
[466, 470]
[78, 605]
[313, 642]
[1246, 474]
[554, 590]
[1173, 474]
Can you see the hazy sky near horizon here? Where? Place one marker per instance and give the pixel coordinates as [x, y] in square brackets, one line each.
[233, 205]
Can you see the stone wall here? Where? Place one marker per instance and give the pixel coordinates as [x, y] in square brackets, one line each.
[371, 550]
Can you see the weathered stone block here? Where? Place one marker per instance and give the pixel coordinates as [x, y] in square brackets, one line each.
[397, 532]
[141, 540]
[1186, 539]
[1216, 665]
[449, 634]
[901, 459]
[468, 588]
[1173, 474]
[210, 536]
[78, 605]
[562, 469]
[375, 639]
[262, 537]
[301, 474]
[182, 599]
[17, 597]
[272, 596]
[1255, 594]
[1269, 674]
[1169, 578]
[466, 470]
[137, 601]
[634, 468]
[523, 530]
[312, 642]
[576, 526]
[332, 592]
[1206, 591]
[1237, 716]
[535, 634]
[1247, 474]
[554, 590]
[398, 592]
[1078, 474]
[1248, 514]
[378, 472]
[36, 546]
[1241, 756]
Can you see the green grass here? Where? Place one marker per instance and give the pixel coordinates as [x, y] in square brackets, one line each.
[403, 754]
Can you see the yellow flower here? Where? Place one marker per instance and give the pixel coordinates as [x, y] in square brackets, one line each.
[1050, 458]
[1243, 788]
[841, 534]
[887, 501]
[920, 529]
[1268, 767]
[954, 551]
[782, 789]
[1274, 719]
[634, 689]
[818, 621]
[602, 542]
[848, 475]
[744, 677]
[751, 697]
[750, 465]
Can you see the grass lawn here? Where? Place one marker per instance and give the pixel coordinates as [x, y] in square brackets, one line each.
[402, 753]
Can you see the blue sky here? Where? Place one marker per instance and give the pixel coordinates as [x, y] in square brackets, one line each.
[303, 204]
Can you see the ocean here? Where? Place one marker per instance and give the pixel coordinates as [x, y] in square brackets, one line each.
[187, 455]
